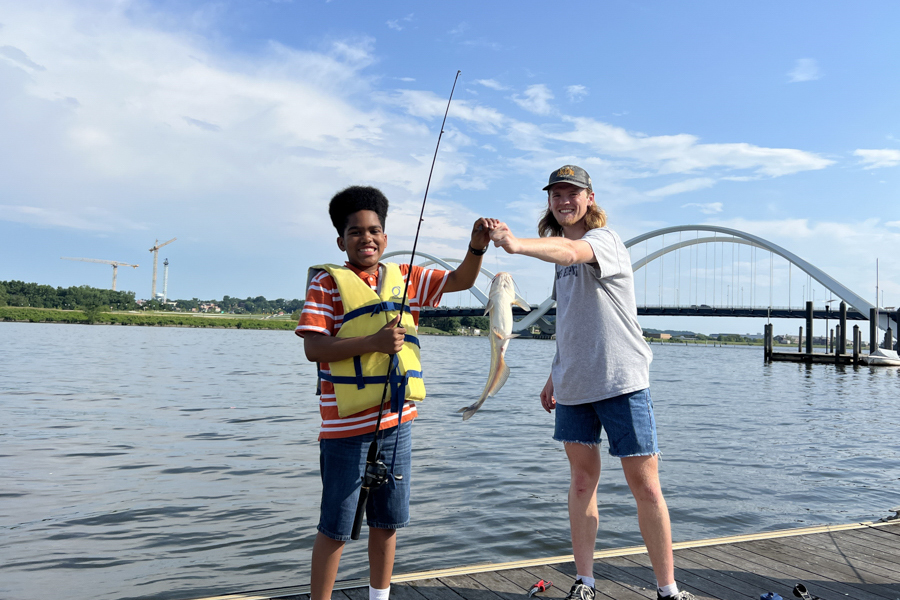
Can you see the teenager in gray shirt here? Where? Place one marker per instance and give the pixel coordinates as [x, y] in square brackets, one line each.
[600, 377]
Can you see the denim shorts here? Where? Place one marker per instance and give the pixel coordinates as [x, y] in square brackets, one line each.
[627, 419]
[342, 462]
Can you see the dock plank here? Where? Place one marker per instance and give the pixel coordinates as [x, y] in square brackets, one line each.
[697, 580]
[432, 589]
[855, 555]
[822, 584]
[877, 538]
[856, 561]
[742, 582]
[832, 567]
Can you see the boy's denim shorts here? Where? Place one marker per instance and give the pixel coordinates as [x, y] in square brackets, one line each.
[342, 462]
[627, 419]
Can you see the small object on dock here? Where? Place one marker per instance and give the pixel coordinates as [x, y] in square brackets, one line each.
[771, 596]
[894, 517]
[540, 586]
[801, 592]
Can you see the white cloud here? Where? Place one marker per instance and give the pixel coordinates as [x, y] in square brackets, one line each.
[537, 99]
[576, 93]
[710, 208]
[805, 69]
[400, 24]
[893, 224]
[682, 153]
[492, 84]
[680, 187]
[876, 159]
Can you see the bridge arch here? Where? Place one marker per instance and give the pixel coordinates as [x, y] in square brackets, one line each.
[740, 237]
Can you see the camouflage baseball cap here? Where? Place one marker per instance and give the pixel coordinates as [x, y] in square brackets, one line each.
[570, 174]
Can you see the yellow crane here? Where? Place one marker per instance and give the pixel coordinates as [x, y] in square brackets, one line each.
[155, 251]
[115, 265]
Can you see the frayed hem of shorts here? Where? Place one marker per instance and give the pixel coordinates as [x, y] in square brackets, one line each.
[657, 454]
[576, 442]
[336, 537]
[391, 526]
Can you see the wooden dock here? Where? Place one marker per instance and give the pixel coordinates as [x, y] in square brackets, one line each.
[857, 561]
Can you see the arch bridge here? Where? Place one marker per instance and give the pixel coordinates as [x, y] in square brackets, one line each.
[723, 304]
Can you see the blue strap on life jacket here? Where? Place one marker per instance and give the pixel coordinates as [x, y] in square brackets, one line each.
[357, 366]
[397, 381]
[376, 308]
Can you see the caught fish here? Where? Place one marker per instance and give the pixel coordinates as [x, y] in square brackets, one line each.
[500, 302]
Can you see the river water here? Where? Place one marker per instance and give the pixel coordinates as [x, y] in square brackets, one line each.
[178, 463]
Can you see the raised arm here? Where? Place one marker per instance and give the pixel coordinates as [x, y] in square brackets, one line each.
[467, 272]
[558, 250]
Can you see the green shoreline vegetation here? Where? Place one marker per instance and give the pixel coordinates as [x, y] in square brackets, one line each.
[36, 303]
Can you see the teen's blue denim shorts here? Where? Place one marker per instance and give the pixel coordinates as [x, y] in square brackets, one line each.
[342, 462]
[627, 419]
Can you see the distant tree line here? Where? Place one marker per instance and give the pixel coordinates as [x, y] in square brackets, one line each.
[33, 295]
[454, 324]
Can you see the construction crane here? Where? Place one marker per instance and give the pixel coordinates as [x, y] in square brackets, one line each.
[155, 251]
[115, 265]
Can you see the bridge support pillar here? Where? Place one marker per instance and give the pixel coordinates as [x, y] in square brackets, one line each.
[842, 338]
[800, 340]
[873, 331]
[809, 327]
[857, 344]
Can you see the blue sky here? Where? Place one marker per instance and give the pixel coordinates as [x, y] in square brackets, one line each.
[230, 124]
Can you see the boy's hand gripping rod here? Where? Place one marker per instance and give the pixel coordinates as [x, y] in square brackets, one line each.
[376, 472]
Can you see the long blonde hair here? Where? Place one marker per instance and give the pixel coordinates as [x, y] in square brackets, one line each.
[548, 226]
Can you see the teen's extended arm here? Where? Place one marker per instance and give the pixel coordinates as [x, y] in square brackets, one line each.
[325, 348]
[559, 250]
[467, 272]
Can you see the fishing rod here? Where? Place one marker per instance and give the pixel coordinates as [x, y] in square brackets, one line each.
[375, 474]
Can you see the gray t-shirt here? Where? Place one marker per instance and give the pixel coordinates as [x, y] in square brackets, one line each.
[600, 349]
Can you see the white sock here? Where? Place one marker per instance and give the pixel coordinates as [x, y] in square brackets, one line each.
[588, 581]
[668, 590]
[375, 594]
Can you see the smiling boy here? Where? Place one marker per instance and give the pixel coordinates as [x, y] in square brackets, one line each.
[350, 325]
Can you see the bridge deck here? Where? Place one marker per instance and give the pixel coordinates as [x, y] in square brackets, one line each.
[683, 311]
[857, 561]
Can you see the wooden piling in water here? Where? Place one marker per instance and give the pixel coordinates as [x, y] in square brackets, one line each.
[809, 327]
[843, 336]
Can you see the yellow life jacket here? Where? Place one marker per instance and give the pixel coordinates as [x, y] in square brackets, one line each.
[359, 381]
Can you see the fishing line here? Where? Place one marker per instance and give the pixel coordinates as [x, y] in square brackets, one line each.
[376, 472]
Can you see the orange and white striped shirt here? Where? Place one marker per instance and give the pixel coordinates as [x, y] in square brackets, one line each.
[323, 313]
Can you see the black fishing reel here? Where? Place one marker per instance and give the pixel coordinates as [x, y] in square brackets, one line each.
[376, 475]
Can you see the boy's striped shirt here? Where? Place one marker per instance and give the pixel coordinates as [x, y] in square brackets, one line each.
[323, 313]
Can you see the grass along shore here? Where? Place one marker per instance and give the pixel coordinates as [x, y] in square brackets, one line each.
[157, 319]
[146, 319]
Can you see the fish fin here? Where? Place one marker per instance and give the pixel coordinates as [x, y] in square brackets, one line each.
[489, 306]
[522, 304]
[501, 377]
[468, 411]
